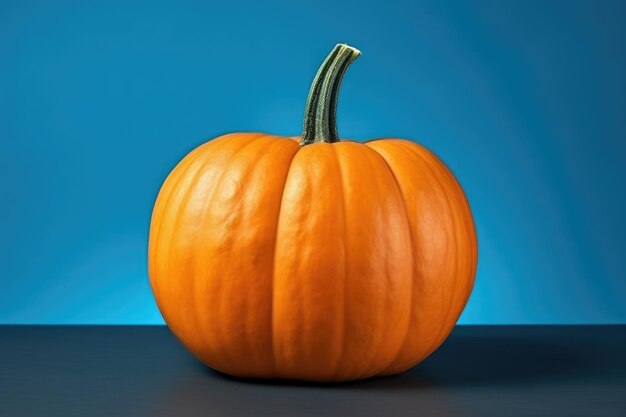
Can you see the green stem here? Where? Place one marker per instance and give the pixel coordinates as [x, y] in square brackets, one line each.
[320, 113]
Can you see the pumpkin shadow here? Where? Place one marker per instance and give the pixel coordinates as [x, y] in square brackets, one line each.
[208, 392]
[490, 360]
[476, 356]
[472, 357]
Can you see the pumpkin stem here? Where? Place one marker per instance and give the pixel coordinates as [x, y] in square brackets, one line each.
[320, 113]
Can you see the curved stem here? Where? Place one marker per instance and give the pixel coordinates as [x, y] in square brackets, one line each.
[320, 113]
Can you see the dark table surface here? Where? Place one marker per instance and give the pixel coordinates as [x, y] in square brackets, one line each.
[479, 371]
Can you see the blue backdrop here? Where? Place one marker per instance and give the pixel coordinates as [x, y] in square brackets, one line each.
[525, 101]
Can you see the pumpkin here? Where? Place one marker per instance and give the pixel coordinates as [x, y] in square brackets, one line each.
[311, 258]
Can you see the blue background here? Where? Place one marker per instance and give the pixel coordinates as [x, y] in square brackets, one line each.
[525, 101]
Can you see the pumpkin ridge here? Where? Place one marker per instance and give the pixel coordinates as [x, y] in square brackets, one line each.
[273, 273]
[183, 201]
[443, 332]
[196, 305]
[345, 264]
[437, 341]
[181, 208]
[413, 250]
[273, 142]
[192, 159]
[467, 223]
[372, 163]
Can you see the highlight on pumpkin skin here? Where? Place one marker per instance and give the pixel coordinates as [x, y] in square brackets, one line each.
[315, 260]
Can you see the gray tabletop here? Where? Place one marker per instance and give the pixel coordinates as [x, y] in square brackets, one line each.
[479, 371]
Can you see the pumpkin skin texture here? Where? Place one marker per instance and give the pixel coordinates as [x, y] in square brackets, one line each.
[328, 262]
[311, 258]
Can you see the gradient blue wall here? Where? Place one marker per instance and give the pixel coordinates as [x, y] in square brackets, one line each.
[525, 101]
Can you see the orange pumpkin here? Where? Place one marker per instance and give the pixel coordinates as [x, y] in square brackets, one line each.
[312, 259]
